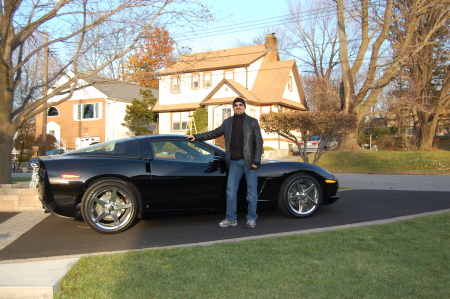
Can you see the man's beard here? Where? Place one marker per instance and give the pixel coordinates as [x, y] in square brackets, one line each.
[239, 113]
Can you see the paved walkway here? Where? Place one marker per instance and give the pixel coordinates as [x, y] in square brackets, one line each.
[13, 228]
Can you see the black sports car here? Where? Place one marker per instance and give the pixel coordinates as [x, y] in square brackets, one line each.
[113, 183]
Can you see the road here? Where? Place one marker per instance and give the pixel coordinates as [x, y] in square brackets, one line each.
[56, 236]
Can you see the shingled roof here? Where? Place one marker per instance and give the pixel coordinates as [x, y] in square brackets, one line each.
[118, 89]
[215, 60]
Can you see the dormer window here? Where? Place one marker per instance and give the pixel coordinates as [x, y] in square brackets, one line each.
[195, 81]
[175, 84]
[207, 80]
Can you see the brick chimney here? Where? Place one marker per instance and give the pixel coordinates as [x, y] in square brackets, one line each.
[271, 45]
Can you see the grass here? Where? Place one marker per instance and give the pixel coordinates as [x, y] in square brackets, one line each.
[21, 179]
[407, 259]
[387, 162]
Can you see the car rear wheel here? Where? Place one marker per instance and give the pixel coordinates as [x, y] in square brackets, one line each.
[300, 196]
[109, 206]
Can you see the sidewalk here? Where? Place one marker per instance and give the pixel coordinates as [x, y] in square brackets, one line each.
[40, 278]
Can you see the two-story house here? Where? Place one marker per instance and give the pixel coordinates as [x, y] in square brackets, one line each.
[214, 79]
[94, 113]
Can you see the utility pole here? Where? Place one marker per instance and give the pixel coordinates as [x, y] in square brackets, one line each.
[44, 93]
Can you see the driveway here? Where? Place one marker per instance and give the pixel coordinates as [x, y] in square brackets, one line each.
[56, 236]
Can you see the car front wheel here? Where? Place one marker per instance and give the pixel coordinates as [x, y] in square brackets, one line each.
[300, 196]
[109, 206]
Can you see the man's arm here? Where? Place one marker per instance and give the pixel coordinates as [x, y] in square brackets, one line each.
[207, 135]
[256, 161]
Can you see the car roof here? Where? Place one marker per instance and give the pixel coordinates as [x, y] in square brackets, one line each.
[163, 136]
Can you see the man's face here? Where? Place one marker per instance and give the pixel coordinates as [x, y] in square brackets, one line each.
[238, 108]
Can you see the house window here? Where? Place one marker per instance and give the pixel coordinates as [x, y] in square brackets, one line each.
[226, 112]
[88, 111]
[207, 82]
[195, 81]
[290, 84]
[228, 74]
[175, 84]
[265, 109]
[180, 121]
[52, 111]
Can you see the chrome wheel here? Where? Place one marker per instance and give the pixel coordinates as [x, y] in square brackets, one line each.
[300, 196]
[109, 206]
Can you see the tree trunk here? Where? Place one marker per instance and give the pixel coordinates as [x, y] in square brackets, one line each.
[6, 145]
[350, 142]
[427, 132]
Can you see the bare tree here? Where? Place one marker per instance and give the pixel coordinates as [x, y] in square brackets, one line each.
[382, 66]
[424, 84]
[312, 40]
[76, 30]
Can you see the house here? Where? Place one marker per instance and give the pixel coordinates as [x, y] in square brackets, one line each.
[94, 113]
[214, 79]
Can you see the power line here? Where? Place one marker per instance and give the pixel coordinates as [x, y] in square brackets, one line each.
[257, 24]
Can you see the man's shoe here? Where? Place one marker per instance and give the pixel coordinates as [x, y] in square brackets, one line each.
[250, 224]
[227, 223]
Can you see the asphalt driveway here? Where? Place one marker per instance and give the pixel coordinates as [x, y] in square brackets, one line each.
[56, 236]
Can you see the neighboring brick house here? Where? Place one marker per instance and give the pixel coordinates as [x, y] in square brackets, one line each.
[94, 113]
[215, 78]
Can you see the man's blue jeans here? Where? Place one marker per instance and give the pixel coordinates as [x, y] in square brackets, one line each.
[235, 173]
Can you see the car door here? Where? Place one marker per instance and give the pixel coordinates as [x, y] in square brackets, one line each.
[182, 176]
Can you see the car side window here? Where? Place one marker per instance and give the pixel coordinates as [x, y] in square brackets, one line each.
[126, 149]
[182, 151]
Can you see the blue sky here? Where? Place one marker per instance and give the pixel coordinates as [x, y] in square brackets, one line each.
[245, 19]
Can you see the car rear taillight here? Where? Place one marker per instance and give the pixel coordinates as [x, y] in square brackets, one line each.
[70, 176]
[315, 143]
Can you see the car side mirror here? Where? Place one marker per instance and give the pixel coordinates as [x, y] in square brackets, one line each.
[216, 164]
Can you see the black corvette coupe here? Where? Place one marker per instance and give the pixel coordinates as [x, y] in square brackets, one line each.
[114, 183]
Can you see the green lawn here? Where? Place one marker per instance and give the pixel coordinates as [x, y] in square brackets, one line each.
[387, 162]
[407, 259]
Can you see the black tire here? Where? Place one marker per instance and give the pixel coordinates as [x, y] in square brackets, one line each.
[109, 206]
[300, 196]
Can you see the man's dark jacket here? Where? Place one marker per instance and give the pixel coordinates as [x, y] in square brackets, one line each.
[253, 143]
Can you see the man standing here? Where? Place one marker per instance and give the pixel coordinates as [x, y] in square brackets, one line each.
[243, 143]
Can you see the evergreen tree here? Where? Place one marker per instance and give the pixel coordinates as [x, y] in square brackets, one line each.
[139, 117]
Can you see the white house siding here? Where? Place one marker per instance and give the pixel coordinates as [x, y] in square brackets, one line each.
[292, 94]
[165, 123]
[115, 110]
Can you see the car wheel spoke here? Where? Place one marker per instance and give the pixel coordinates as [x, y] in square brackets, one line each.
[99, 201]
[113, 197]
[123, 206]
[115, 219]
[100, 217]
[309, 189]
